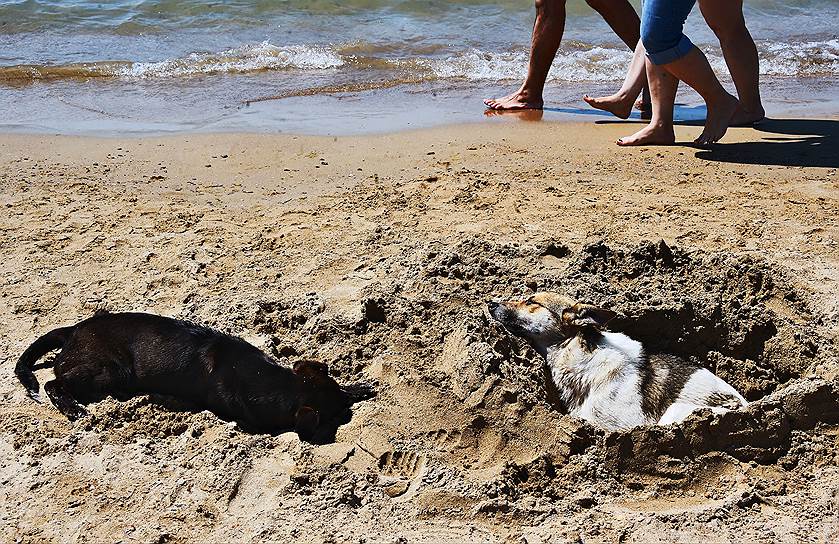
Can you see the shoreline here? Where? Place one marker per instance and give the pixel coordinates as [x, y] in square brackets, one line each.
[531, 121]
[115, 111]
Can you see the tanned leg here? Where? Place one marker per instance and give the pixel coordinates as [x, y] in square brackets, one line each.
[694, 70]
[620, 104]
[624, 21]
[547, 35]
[621, 18]
[663, 87]
[725, 17]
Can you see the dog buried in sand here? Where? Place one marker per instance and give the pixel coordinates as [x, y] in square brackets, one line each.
[128, 354]
[606, 378]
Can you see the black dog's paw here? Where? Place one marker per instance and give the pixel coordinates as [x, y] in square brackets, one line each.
[75, 412]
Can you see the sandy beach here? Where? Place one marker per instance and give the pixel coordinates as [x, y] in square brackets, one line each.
[376, 254]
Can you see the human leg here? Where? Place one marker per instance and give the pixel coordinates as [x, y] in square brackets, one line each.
[547, 35]
[694, 70]
[725, 17]
[621, 18]
[667, 46]
[620, 104]
[663, 87]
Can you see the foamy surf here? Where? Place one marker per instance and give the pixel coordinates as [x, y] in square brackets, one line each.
[241, 60]
[577, 62]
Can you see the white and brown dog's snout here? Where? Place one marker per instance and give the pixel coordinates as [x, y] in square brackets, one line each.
[497, 310]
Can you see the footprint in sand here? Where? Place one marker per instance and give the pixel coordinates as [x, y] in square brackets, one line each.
[401, 464]
[403, 470]
[443, 439]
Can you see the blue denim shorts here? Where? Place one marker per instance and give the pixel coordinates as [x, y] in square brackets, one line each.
[662, 24]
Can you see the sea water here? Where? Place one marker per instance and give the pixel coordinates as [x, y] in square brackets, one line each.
[348, 66]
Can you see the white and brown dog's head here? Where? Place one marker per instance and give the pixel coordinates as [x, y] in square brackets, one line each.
[547, 318]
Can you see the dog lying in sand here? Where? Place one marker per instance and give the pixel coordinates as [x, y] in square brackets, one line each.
[126, 354]
[604, 377]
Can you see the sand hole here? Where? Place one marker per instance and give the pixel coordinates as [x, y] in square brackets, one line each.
[735, 314]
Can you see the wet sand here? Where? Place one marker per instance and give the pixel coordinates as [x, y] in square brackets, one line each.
[729, 256]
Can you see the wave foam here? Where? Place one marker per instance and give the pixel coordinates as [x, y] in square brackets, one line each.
[576, 63]
[594, 64]
[255, 58]
[800, 59]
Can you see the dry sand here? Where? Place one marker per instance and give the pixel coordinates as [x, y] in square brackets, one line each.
[376, 255]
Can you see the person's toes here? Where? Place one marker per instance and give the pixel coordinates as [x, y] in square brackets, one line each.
[634, 139]
[630, 141]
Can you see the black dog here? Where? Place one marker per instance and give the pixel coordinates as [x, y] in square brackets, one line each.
[127, 354]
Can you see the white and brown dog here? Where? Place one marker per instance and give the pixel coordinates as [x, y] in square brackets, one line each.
[605, 377]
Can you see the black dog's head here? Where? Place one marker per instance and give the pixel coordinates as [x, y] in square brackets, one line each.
[323, 402]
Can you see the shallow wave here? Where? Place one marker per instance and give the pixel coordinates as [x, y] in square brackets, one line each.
[246, 59]
[592, 64]
[801, 59]
[577, 62]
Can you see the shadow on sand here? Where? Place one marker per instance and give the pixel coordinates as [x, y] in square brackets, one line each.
[784, 142]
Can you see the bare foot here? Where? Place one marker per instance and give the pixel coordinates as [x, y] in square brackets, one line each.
[746, 118]
[718, 119]
[615, 104]
[651, 134]
[519, 100]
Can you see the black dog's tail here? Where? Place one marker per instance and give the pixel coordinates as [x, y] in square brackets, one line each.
[40, 347]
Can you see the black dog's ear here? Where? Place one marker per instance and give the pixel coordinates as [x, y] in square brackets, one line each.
[307, 367]
[587, 315]
[306, 420]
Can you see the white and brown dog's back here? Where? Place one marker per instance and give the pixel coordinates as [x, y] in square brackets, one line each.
[605, 377]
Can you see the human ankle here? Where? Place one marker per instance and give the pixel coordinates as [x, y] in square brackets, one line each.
[528, 91]
[661, 124]
[719, 99]
[756, 109]
[622, 97]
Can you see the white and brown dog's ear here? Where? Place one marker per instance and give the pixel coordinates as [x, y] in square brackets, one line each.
[582, 315]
